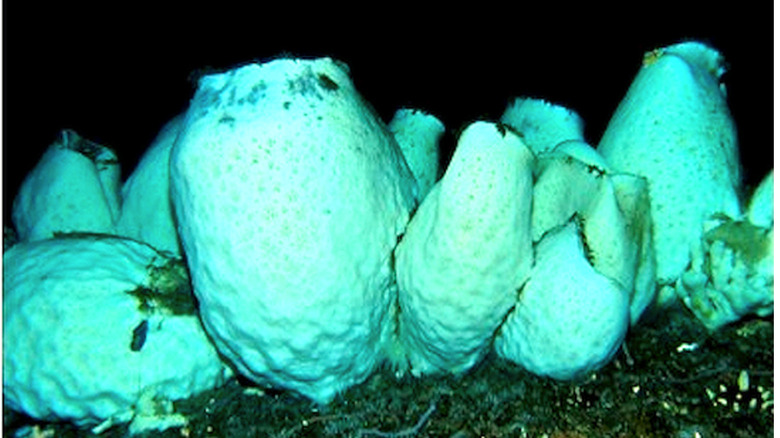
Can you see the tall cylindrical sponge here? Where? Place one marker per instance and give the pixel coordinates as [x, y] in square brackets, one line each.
[466, 252]
[673, 128]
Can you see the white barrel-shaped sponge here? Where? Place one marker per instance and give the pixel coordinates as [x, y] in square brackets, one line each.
[93, 324]
[673, 128]
[290, 196]
[73, 188]
[466, 252]
[147, 213]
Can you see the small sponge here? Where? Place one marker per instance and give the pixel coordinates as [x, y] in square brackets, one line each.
[73, 188]
[569, 319]
[418, 134]
[541, 124]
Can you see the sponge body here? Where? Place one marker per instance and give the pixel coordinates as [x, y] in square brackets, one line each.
[290, 196]
[613, 210]
[673, 128]
[90, 328]
[543, 125]
[466, 252]
[418, 134]
[569, 319]
[147, 213]
[73, 188]
[732, 272]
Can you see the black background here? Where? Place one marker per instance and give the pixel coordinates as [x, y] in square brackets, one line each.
[116, 76]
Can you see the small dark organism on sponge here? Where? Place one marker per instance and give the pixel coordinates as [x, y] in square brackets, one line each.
[327, 83]
[71, 140]
[503, 128]
[595, 170]
[169, 291]
[227, 119]
[175, 303]
[139, 335]
[96, 153]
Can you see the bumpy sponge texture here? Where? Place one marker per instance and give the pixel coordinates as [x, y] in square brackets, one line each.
[90, 323]
[569, 319]
[466, 251]
[147, 213]
[418, 134]
[74, 187]
[290, 196]
[673, 128]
